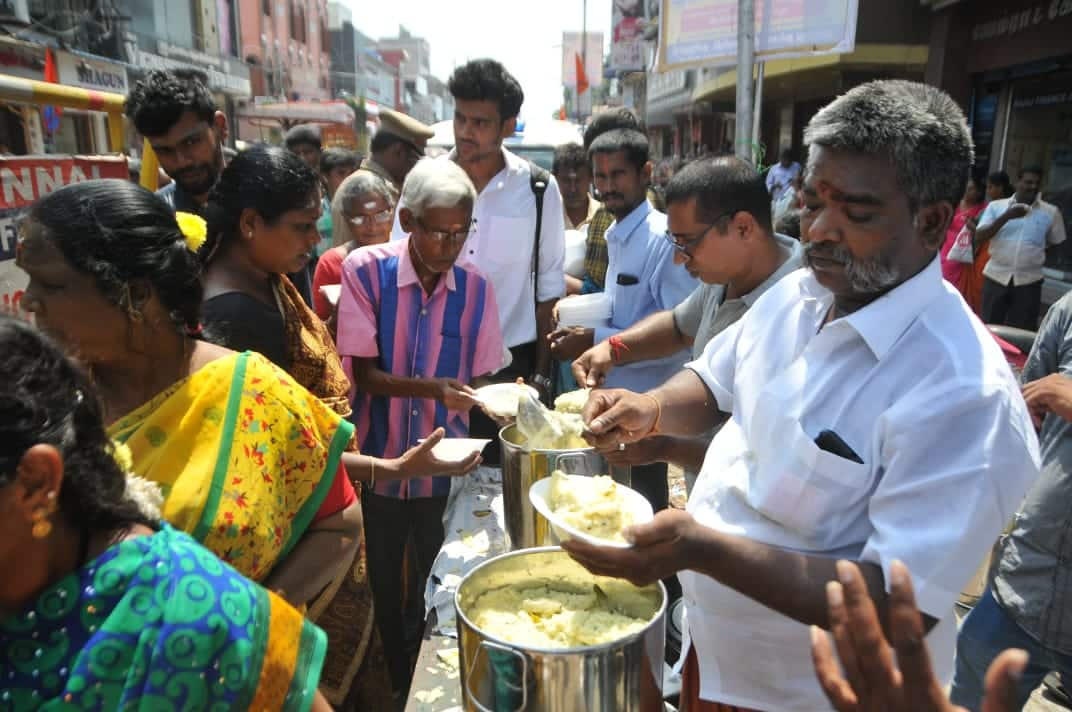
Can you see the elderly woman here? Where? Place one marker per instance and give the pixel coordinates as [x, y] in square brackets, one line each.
[261, 216]
[363, 203]
[101, 606]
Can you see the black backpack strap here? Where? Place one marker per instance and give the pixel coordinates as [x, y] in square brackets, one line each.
[539, 179]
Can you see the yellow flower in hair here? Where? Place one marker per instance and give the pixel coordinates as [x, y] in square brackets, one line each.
[193, 228]
[122, 455]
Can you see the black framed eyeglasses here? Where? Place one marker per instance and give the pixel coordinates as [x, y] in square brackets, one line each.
[443, 237]
[683, 246]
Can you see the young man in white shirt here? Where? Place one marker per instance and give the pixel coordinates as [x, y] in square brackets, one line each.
[1019, 230]
[871, 418]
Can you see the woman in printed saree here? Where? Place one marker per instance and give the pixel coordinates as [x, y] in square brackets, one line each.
[102, 606]
[262, 225]
[247, 459]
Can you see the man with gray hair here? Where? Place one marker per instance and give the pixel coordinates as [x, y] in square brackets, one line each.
[414, 330]
[871, 417]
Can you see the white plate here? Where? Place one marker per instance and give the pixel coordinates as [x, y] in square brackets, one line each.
[540, 496]
[499, 398]
[332, 292]
[457, 449]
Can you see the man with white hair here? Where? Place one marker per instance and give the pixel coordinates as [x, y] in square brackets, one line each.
[871, 417]
[414, 330]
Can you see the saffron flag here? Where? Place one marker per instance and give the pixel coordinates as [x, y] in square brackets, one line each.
[582, 78]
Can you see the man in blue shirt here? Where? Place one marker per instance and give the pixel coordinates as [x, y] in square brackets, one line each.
[642, 278]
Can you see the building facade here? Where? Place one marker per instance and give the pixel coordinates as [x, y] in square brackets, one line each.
[287, 45]
[106, 47]
[1009, 64]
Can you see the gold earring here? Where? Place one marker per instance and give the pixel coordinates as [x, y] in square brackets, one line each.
[42, 527]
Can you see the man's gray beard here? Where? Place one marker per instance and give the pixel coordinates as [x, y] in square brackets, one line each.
[871, 277]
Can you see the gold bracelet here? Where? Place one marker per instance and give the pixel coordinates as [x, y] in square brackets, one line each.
[372, 480]
[658, 414]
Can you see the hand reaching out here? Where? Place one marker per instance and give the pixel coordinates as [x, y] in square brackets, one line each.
[873, 681]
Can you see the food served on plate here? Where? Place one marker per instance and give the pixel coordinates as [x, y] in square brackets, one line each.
[501, 399]
[593, 505]
[572, 401]
[561, 614]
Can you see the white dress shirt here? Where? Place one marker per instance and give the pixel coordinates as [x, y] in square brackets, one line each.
[918, 388]
[1018, 251]
[501, 245]
[642, 279]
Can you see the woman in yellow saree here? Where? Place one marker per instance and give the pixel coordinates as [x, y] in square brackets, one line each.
[248, 460]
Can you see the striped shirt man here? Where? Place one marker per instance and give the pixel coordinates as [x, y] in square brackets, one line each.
[385, 314]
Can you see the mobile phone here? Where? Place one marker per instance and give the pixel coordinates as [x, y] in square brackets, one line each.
[831, 442]
[627, 280]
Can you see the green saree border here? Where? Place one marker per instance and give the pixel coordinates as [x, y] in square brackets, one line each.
[305, 515]
[219, 474]
[312, 650]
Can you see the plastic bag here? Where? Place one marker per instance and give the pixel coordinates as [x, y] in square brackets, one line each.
[962, 249]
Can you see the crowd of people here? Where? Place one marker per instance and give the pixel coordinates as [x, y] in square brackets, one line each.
[216, 454]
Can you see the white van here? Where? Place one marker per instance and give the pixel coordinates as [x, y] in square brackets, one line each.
[535, 141]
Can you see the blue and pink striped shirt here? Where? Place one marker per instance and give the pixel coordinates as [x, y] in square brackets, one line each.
[385, 314]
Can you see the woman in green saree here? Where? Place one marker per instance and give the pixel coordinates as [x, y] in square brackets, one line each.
[101, 606]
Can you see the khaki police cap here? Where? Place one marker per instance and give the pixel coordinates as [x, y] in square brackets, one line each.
[405, 127]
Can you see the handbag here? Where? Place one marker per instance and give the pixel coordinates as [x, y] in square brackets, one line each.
[962, 250]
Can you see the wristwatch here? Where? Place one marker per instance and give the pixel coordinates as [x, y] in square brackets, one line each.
[541, 380]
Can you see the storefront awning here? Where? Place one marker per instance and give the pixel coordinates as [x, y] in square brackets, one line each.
[299, 112]
[794, 73]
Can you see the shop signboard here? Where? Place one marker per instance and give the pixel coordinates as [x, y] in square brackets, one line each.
[1006, 33]
[627, 47]
[23, 180]
[694, 33]
[222, 81]
[93, 73]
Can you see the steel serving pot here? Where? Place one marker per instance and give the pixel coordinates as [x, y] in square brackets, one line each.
[497, 675]
[521, 467]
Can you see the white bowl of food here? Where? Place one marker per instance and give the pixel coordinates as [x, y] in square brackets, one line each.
[501, 399]
[593, 509]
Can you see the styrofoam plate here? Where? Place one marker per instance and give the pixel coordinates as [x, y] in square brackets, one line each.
[501, 399]
[540, 496]
[457, 449]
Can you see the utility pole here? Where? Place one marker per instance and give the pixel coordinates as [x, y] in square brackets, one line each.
[584, 57]
[746, 53]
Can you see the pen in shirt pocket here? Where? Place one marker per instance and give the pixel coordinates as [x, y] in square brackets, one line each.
[831, 442]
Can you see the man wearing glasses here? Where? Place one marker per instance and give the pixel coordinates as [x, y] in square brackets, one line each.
[397, 146]
[720, 229]
[871, 418]
[414, 330]
[642, 277]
